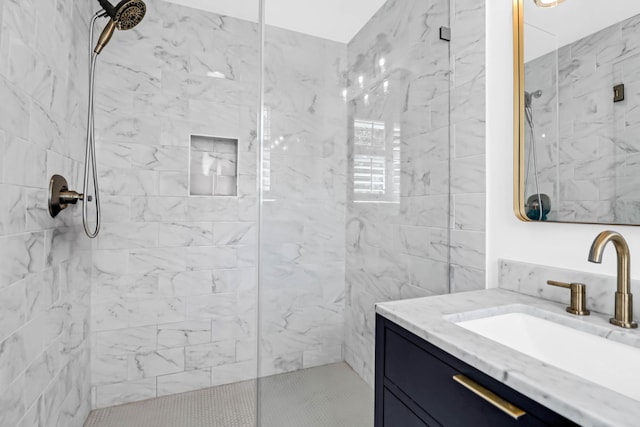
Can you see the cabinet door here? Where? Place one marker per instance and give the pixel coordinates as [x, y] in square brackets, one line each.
[396, 414]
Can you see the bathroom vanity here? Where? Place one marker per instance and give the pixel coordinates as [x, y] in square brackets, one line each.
[430, 371]
[421, 385]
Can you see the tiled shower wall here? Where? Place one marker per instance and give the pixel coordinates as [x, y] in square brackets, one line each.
[45, 263]
[424, 235]
[591, 145]
[174, 295]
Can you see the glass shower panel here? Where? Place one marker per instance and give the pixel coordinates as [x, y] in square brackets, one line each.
[355, 196]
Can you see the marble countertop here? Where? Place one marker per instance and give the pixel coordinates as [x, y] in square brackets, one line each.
[578, 399]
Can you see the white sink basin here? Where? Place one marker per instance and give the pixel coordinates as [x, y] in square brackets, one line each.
[600, 360]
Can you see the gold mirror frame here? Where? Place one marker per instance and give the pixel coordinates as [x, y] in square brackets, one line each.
[518, 111]
[518, 122]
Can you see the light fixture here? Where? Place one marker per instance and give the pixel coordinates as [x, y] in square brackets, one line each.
[548, 3]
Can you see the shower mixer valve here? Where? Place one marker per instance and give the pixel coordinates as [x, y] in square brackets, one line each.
[60, 197]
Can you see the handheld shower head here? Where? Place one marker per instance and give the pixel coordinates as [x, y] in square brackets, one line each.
[129, 13]
[528, 97]
[126, 15]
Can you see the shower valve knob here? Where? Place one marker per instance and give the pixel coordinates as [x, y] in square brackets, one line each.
[70, 197]
[60, 197]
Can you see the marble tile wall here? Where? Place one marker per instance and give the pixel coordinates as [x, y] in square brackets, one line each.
[531, 279]
[45, 263]
[589, 150]
[174, 277]
[174, 296]
[424, 236]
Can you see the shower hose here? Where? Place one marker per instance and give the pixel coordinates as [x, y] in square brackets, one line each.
[90, 149]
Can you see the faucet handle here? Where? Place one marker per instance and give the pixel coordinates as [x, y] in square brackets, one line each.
[578, 297]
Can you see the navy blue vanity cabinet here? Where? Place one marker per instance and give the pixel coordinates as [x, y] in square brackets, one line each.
[415, 387]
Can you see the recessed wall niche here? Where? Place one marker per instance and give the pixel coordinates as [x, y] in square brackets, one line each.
[213, 166]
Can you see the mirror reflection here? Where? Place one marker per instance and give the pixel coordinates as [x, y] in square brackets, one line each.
[582, 111]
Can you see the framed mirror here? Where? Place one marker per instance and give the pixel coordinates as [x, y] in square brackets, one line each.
[577, 111]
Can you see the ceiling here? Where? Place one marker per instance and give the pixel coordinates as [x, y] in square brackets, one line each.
[546, 29]
[337, 20]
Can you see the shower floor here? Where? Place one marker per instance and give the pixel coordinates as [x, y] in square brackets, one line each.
[327, 396]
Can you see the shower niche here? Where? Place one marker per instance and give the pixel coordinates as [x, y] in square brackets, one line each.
[213, 166]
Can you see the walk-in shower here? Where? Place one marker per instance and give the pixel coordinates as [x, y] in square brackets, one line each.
[264, 180]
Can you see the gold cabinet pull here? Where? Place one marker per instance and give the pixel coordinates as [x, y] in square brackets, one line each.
[489, 396]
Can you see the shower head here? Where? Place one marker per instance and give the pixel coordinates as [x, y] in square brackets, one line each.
[129, 13]
[528, 97]
[126, 15]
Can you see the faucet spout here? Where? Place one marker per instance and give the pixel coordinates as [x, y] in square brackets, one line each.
[624, 299]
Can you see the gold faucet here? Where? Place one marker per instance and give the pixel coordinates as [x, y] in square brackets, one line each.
[624, 300]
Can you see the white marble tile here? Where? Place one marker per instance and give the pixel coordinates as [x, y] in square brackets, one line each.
[149, 261]
[470, 212]
[246, 350]
[117, 155]
[13, 358]
[212, 209]
[32, 416]
[12, 405]
[18, 153]
[234, 280]
[159, 158]
[187, 283]
[21, 254]
[13, 308]
[109, 369]
[184, 381]
[280, 364]
[38, 375]
[185, 234]
[128, 182]
[238, 233]
[159, 209]
[234, 372]
[184, 334]
[14, 110]
[212, 306]
[129, 312]
[464, 279]
[173, 184]
[424, 242]
[128, 236]
[156, 363]
[62, 243]
[467, 175]
[34, 202]
[467, 248]
[125, 341]
[324, 356]
[125, 392]
[209, 355]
